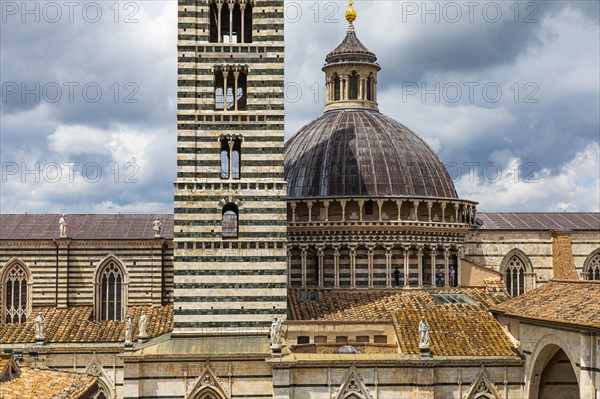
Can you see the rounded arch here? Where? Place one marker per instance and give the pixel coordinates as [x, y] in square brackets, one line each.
[544, 353]
[16, 284]
[591, 266]
[111, 286]
[230, 214]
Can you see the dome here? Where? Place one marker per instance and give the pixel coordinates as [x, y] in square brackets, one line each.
[351, 49]
[359, 152]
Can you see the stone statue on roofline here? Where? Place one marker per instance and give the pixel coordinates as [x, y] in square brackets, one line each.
[38, 324]
[62, 224]
[423, 334]
[157, 226]
[143, 334]
[128, 331]
[275, 333]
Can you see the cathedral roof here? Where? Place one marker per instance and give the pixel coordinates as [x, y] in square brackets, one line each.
[455, 330]
[126, 227]
[83, 226]
[539, 221]
[571, 302]
[76, 324]
[356, 152]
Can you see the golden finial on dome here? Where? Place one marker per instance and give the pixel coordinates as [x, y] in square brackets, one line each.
[350, 12]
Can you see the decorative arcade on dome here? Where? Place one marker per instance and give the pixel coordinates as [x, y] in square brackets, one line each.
[370, 204]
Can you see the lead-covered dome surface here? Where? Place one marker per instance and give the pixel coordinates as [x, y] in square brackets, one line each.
[352, 153]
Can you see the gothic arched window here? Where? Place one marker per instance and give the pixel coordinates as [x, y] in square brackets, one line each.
[111, 285]
[229, 221]
[230, 21]
[16, 294]
[592, 270]
[514, 276]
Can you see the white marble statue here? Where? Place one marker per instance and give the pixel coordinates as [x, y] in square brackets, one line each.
[62, 223]
[157, 226]
[38, 324]
[142, 326]
[275, 334]
[128, 331]
[423, 333]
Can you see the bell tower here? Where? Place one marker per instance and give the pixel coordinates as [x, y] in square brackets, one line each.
[230, 194]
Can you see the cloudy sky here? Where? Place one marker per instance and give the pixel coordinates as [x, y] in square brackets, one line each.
[506, 92]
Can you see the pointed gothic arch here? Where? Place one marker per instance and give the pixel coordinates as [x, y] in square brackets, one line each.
[591, 266]
[208, 386]
[517, 272]
[111, 283]
[483, 387]
[16, 289]
[106, 386]
[352, 387]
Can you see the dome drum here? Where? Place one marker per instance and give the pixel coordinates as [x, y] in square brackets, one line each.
[382, 212]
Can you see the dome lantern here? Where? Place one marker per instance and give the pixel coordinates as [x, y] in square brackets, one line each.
[351, 72]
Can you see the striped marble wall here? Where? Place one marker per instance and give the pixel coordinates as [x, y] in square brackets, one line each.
[226, 284]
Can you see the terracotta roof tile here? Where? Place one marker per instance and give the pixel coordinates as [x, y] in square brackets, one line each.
[76, 324]
[456, 330]
[560, 301]
[48, 384]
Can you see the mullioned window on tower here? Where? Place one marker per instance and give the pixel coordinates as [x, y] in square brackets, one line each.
[231, 156]
[230, 21]
[230, 87]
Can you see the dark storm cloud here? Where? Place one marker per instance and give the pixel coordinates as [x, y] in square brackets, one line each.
[88, 72]
[559, 53]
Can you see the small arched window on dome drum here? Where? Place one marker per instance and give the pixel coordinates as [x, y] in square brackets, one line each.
[16, 294]
[370, 88]
[111, 292]
[514, 276]
[353, 86]
[336, 88]
[230, 25]
[593, 267]
[229, 221]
